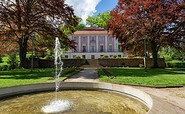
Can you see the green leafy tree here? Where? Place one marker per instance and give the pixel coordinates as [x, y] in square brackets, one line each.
[80, 25]
[19, 19]
[99, 20]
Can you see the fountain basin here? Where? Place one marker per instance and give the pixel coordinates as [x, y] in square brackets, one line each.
[120, 89]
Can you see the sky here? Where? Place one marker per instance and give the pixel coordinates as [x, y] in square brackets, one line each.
[85, 8]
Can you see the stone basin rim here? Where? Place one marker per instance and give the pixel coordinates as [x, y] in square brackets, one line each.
[143, 97]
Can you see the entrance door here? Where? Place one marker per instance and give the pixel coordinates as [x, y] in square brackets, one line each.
[92, 56]
[83, 56]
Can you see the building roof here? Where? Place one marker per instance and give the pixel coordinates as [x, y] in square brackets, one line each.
[92, 31]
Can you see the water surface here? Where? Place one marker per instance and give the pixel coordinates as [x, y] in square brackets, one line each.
[84, 102]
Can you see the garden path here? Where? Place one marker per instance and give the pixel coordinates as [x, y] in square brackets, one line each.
[86, 75]
[171, 100]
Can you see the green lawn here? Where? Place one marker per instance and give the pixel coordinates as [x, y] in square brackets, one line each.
[25, 76]
[153, 77]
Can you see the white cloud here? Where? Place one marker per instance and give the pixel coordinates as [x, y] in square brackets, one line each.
[83, 8]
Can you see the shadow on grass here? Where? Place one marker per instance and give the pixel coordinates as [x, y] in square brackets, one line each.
[27, 74]
[140, 72]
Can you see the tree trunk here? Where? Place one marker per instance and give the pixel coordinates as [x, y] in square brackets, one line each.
[154, 54]
[22, 50]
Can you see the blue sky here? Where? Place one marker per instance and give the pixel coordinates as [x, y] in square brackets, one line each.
[85, 8]
[105, 5]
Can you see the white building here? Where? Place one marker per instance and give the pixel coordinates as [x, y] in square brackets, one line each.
[92, 43]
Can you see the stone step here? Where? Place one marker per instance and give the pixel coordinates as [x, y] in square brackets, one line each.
[91, 63]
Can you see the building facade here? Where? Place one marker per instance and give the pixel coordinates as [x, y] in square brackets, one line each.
[92, 43]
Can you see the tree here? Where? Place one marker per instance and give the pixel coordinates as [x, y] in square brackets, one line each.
[19, 19]
[98, 20]
[80, 25]
[132, 21]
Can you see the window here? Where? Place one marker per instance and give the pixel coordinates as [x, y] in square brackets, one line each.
[75, 49]
[75, 38]
[110, 38]
[83, 38]
[101, 38]
[74, 56]
[83, 48]
[92, 56]
[92, 38]
[119, 56]
[66, 56]
[110, 56]
[110, 48]
[83, 56]
[92, 48]
[101, 48]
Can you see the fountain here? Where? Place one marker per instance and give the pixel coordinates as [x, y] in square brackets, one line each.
[57, 105]
[74, 97]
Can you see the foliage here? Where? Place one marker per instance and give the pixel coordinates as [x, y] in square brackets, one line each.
[1, 59]
[80, 26]
[175, 64]
[4, 67]
[77, 57]
[133, 21]
[49, 55]
[172, 54]
[138, 76]
[12, 61]
[104, 56]
[21, 18]
[178, 55]
[98, 20]
[115, 56]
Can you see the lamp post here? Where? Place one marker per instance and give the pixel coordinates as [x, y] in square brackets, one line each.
[32, 39]
[145, 55]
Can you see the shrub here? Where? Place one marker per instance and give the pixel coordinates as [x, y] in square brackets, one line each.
[168, 58]
[114, 56]
[77, 57]
[104, 56]
[1, 60]
[175, 64]
[48, 57]
[4, 67]
[12, 61]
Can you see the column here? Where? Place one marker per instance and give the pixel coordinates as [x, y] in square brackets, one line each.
[115, 45]
[88, 44]
[106, 37]
[97, 44]
[79, 44]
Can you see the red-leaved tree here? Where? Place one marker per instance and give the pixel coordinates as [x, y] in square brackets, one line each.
[132, 21]
[19, 19]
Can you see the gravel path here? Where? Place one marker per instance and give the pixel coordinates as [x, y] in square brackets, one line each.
[175, 97]
[86, 75]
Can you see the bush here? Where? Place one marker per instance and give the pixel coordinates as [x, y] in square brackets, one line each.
[175, 65]
[50, 57]
[77, 57]
[12, 61]
[114, 56]
[1, 60]
[104, 56]
[168, 58]
[4, 67]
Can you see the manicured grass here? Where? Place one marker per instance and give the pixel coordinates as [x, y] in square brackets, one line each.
[25, 76]
[153, 77]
